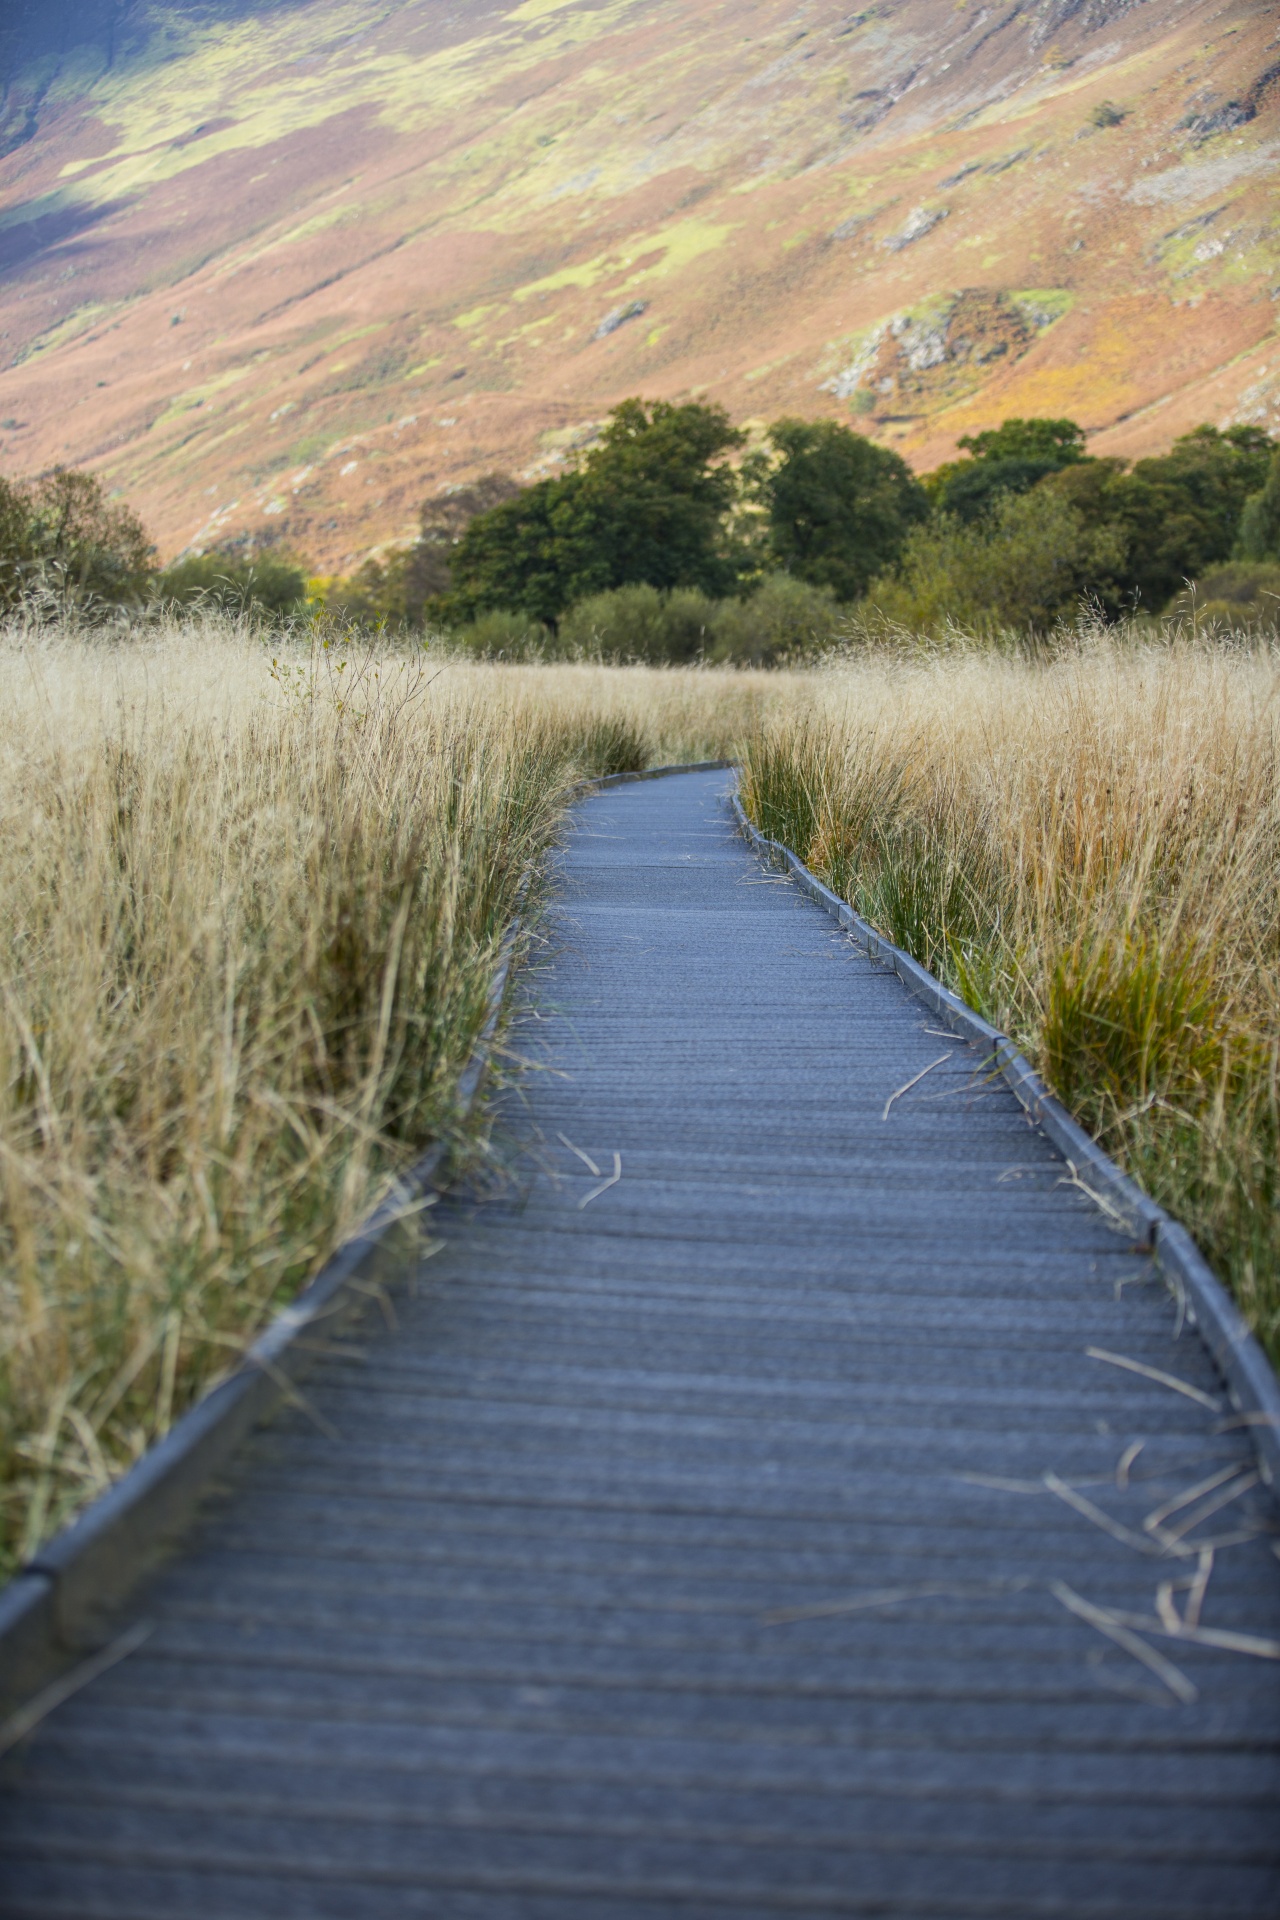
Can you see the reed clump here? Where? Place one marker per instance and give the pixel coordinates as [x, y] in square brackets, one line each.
[252, 907]
[1087, 848]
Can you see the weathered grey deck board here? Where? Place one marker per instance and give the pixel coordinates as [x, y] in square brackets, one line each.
[648, 1567]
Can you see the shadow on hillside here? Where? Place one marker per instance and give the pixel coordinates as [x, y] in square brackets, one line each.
[22, 240]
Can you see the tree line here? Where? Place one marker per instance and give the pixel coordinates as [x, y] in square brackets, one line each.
[671, 536]
[64, 537]
[1020, 527]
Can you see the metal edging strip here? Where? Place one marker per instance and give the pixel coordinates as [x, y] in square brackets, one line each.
[54, 1608]
[1251, 1383]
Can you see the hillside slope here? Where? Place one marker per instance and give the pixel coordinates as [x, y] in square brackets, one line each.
[278, 270]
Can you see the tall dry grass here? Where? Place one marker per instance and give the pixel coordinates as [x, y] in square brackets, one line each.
[1088, 850]
[251, 912]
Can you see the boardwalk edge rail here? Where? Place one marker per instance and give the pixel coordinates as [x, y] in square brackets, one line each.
[58, 1606]
[1202, 1299]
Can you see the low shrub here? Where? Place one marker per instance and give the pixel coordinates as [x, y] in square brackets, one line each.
[503, 635]
[784, 619]
[1241, 597]
[270, 583]
[1024, 567]
[639, 623]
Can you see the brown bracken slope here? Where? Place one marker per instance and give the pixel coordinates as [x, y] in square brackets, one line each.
[278, 270]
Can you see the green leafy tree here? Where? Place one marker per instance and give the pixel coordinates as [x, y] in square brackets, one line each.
[1260, 519]
[1181, 511]
[17, 550]
[1010, 458]
[269, 581]
[839, 508]
[1025, 566]
[1174, 515]
[534, 555]
[1097, 492]
[61, 532]
[82, 544]
[1061, 441]
[427, 570]
[647, 505]
[658, 484]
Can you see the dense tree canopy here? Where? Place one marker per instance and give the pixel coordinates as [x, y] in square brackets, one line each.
[647, 506]
[839, 507]
[1089, 530]
[659, 483]
[535, 555]
[442, 521]
[1095, 490]
[1182, 509]
[1060, 441]
[1024, 567]
[1017, 533]
[1010, 458]
[1177, 513]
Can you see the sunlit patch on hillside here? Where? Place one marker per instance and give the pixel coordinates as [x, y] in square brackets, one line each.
[653, 256]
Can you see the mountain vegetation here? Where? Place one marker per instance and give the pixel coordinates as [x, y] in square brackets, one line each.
[838, 507]
[648, 504]
[274, 273]
[1025, 546]
[267, 581]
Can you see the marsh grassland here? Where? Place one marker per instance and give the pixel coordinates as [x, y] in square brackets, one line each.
[1088, 850]
[252, 907]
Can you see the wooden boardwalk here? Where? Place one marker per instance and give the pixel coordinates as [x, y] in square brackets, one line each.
[687, 1549]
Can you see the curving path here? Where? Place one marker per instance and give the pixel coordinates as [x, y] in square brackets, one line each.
[686, 1550]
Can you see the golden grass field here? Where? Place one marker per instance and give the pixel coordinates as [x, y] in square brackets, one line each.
[253, 908]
